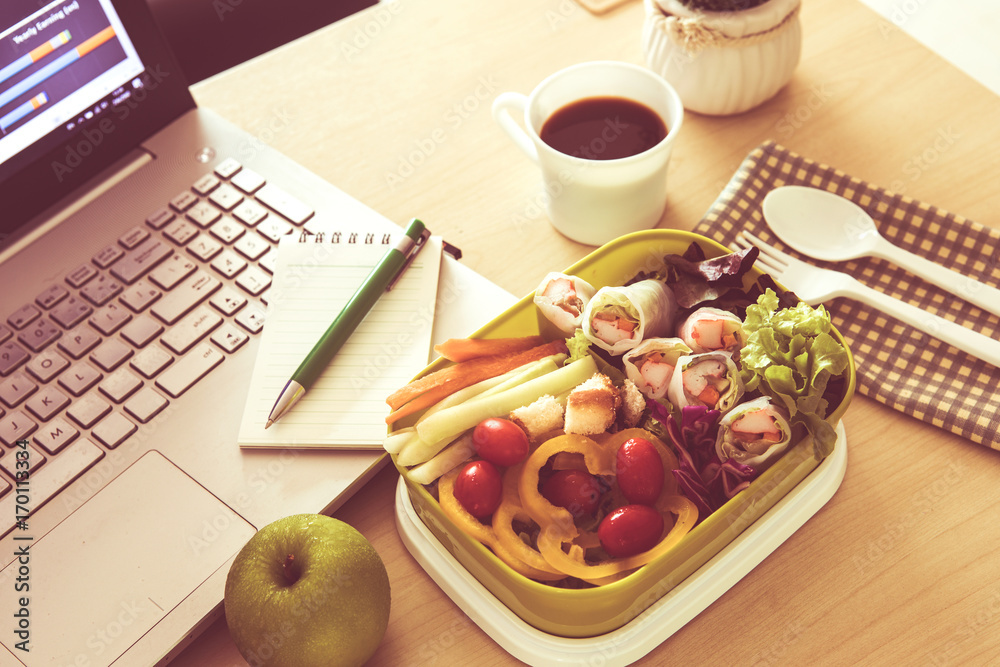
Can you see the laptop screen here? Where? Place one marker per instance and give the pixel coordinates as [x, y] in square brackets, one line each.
[82, 82]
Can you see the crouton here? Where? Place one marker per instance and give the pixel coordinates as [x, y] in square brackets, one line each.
[633, 403]
[591, 407]
[544, 415]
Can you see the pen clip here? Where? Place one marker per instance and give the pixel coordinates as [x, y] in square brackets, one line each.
[417, 246]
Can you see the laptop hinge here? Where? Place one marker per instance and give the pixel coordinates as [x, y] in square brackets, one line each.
[53, 217]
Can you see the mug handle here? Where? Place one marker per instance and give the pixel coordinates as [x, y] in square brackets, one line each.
[505, 106]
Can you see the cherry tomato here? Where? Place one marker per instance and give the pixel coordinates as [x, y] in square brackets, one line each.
[630, 530]
[500, 441]
[575, 490]
[479, 488]
[640, 471]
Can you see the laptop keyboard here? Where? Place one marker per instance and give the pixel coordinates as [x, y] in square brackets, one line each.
[94, 357]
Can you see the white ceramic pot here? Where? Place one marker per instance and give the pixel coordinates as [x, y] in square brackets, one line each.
[723, 63]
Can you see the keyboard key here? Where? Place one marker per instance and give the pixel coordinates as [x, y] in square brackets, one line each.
[252, 246]
[79, 341]
[102, 290]
[80, 275]
[46, 365]
[269, 260]
[249, 212]
[46, 403]
[15, 426]
[254, 281]
[228, 263]
[110, 354]
[16, 388]
[12, 355]
[142, 330]
[284, 203]
[133, 237]
[203, 214]
[227, 230]
[168, 274]
[141, 259]
[248, 181]
[251, 319]
[274, 228]
[185, 297]
[88, 410]
[159, 218]
[206, 184]
[120, 385]
[226, 197]
[145, 404]
[108, 256]
[55, 435]
[151, 361]
[139, 296]
[71, 312]
[39, 334]
[23, 316]
[75, 460]
[229, 338]
[204, 247]
[189, 369]
[191, 329]
[114, 430]
[227, 300]
[180, 231]
[5, 333]
[80, 377]
[227, 168]
[51, 296]
[22, 461]
[183, 201]
[110, 318]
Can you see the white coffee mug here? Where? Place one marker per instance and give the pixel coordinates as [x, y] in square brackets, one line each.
[588, 200]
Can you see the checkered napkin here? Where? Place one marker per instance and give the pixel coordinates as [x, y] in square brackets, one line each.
[896, 364]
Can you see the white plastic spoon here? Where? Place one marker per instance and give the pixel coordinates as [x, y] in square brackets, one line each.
[826, 226]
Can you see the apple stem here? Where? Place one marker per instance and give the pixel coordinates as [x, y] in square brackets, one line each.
[290, 569]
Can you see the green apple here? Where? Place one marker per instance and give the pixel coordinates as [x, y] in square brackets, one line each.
[307, 590]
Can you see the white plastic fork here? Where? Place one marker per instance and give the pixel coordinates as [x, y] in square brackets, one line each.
[814, 285]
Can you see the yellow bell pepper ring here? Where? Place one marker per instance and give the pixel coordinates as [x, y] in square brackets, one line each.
[510, 510]
[484, 533]
[573, 562]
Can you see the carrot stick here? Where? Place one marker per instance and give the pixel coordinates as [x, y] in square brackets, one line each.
[424, 400]
[469, 372]
[463, 349]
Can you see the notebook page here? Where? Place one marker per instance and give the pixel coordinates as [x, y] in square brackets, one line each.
[346, 407]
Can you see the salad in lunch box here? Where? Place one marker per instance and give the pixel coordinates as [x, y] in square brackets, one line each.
[583, 454]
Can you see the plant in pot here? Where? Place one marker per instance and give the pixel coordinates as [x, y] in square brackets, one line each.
[723, 56]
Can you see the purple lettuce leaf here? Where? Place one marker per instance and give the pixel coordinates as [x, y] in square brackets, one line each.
[705, 479]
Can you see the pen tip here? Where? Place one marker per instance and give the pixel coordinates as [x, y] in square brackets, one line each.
[269, 422]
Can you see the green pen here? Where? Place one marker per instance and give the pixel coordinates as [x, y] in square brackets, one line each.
[380, 280]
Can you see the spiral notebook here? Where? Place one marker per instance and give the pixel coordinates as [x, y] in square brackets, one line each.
[314, 277]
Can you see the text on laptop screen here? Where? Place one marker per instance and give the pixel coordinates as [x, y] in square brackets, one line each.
[62, 67]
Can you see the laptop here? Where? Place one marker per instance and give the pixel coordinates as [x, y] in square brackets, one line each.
[137, 240]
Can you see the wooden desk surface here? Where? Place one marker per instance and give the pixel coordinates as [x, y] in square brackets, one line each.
[393, 106]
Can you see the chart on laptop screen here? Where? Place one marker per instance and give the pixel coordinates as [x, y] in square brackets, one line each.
[57, 63]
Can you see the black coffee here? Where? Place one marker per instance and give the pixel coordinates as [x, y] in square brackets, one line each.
[603, 128]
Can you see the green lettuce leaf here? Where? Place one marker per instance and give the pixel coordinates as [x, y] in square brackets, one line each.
[790, 355]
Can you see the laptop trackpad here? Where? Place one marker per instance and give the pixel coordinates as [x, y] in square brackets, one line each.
[120, 563]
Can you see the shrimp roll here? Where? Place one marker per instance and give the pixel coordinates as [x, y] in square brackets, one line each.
[619, 318]
[561, 300]
[712, 329]
[754, 433]
[710, 379]
[650, 364]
